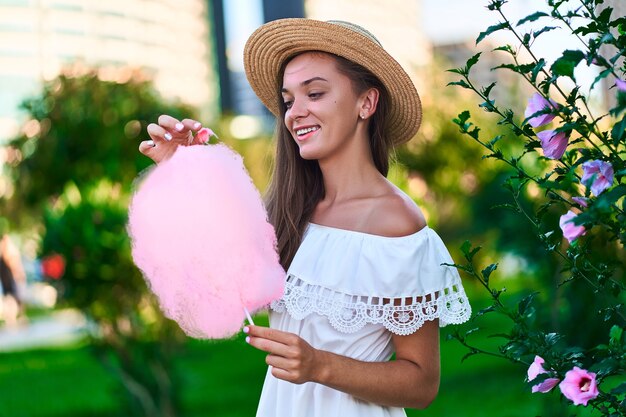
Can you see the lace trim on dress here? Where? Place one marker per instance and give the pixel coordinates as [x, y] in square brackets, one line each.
[349, 313]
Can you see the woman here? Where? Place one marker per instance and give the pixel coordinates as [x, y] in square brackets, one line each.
[364, 273]
[12, 277]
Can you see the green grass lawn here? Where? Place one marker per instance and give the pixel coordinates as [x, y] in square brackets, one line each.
[224, 379]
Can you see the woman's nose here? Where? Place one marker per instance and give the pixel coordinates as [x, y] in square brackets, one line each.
[298, 109]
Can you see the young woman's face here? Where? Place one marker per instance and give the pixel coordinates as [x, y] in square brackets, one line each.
[322, 110]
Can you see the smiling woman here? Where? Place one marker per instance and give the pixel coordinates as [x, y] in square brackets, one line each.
[329, 100]
[365, 275]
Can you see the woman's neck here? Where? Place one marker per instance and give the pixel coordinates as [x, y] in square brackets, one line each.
[348, 175]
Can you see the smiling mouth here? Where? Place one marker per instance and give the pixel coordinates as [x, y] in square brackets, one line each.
[305, 131]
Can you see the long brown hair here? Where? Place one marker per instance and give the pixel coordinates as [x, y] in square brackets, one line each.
[297, 184]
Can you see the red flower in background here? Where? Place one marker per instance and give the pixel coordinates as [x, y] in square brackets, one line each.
[53, 266]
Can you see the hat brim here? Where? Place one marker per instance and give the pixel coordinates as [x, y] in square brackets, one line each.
[275, 42]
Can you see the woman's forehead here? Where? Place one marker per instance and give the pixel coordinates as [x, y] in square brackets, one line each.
[307, 66]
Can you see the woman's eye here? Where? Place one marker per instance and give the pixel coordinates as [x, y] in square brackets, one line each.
[315, 95]
[288, 104]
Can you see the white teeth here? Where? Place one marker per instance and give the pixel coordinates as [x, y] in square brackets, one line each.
[300, 132]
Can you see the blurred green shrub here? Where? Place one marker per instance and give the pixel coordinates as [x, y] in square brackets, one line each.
[74, 172]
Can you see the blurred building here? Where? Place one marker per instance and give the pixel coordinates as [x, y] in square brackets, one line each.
[455, 55]
[234, 22]
[395, 23]
[167, 39]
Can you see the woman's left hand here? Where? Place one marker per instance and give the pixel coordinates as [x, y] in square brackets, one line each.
[292, 358]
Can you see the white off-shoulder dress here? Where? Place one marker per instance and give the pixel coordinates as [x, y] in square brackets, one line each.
[347, 292]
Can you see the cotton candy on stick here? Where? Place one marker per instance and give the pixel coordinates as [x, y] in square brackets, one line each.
[201, 237]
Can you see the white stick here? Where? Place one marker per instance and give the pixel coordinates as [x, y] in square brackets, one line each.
[248, 316]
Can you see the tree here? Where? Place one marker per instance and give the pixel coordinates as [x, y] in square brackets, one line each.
[74, 176]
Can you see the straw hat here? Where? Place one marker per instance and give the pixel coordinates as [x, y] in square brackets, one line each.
[271, 44]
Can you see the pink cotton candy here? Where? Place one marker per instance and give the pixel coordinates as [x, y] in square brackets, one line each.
[201, 237]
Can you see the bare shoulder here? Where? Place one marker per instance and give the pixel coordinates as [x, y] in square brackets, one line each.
[395, 214]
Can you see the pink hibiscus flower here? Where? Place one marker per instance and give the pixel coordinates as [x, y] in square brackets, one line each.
[600, 172]
[571, 231]
[579, 386]
[536, 103]
[535, 369]
[553, 143]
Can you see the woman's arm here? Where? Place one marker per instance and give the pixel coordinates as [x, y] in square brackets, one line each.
[412, 380]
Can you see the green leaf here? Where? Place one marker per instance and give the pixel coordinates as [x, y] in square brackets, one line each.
[615, 335]
[463, 116]
[605, 16]
[495, 139]
[492, 29]
[618, 131]
[459, 71]
[524, 304]
[606, 366]
[496, 4]
[486, 273]
[471, 62]
[603, 74]
[605, 201]
[535, 71]
[564, 66]
[592, 27]
[532, 17]
[552, 339]
[505, 48]
[485, 91]
[460, 83]
[543, 30]
[520, 69]
[468, 252]
[617, 56]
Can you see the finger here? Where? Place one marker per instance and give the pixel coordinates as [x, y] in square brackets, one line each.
[192, 125]
[179, 127]
[280, 362]
[158, 134]
[281, 374]
[268, 346]
[272, 334]
[168, 123]
[180, 133]
[146, 147]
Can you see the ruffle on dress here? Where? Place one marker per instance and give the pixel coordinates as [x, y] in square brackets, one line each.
[356, 278]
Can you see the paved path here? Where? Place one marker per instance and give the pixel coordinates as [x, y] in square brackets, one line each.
[58, 328]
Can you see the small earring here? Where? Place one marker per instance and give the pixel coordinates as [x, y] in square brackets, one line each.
[362, 117]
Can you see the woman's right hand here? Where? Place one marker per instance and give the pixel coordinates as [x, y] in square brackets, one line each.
[167, 136]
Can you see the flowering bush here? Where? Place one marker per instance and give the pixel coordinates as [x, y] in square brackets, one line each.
[576, 158]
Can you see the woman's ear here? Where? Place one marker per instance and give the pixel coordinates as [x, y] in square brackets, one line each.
[369, 103]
